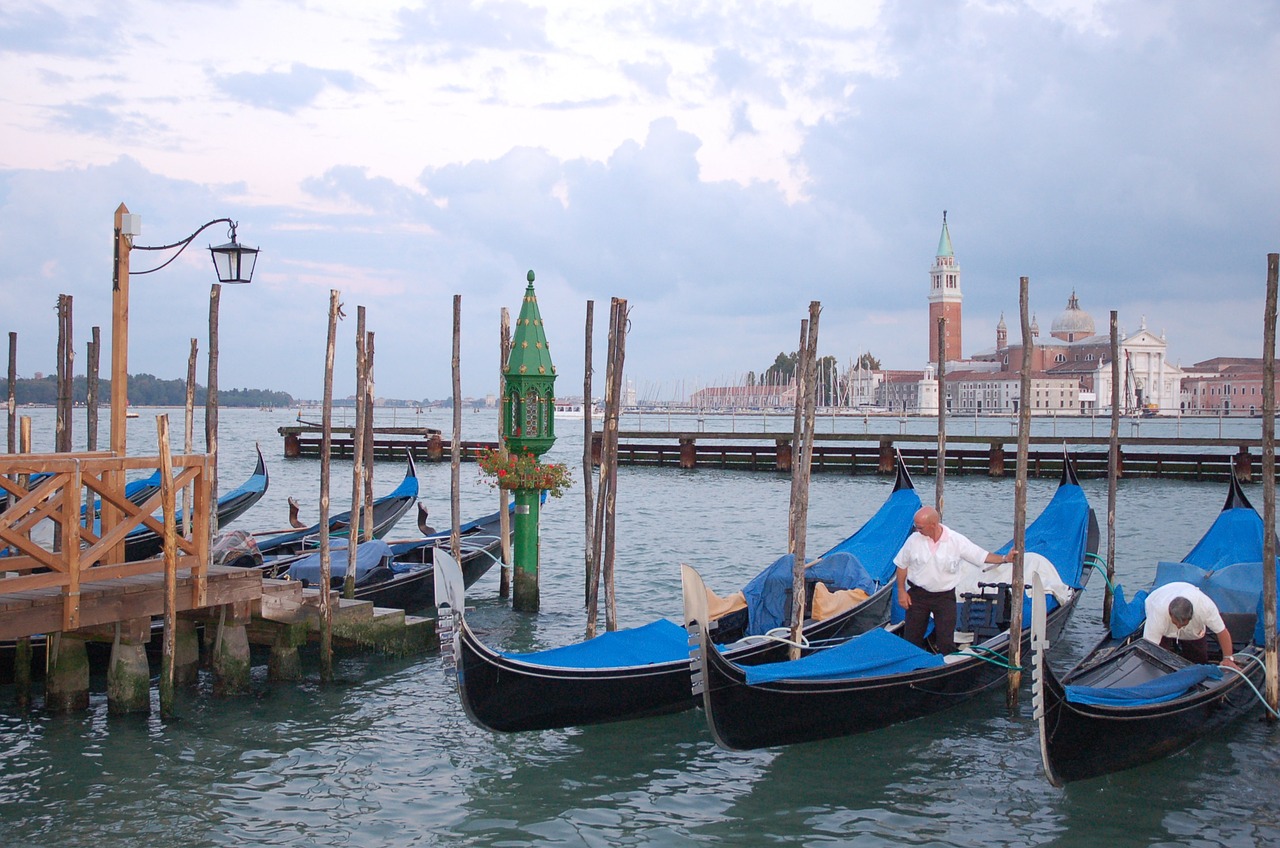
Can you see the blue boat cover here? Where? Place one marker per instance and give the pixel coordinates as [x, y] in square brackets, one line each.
[766, 594]
[1226, 564]
[873, 654]
[368, 556]
[660, 641]
[879, 540]
[1167, 688]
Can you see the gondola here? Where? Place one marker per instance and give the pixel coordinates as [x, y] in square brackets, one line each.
[1129, 701]
[644, 671]
[878, 679]
[400, 574]
[145, 542]
[387, 510]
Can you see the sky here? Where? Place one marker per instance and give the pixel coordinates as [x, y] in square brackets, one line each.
[717, 164]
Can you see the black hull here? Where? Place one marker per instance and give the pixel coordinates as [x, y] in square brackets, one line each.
[1082, 741]
[503, 694]
[416, 590]
[744, 717]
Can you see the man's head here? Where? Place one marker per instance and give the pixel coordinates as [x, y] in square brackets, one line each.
[1180, 611]
[928, 523]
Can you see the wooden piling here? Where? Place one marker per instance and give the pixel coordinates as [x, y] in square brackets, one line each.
[942, 413]
[94, 353]
[326, 438]
[357, 462]
[587, 479]
[12, 401]
[504, 496]
[1113, 468]
[455, 457]
[1272, 686]
[370, 394]
[168, 505]
[1020, 503]
[188, 431]
[806, 401]
[211, 406]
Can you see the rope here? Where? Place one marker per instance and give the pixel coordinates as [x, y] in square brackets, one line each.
[991, 656]
[1261, 698]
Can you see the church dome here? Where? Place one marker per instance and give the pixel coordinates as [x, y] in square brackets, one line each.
[1073, 324]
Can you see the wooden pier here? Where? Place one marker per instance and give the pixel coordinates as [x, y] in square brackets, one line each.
[994, 456]
[61, 593]
[426, 443]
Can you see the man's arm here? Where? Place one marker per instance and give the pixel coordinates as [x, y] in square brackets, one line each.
[904, 599]
[1224, 642]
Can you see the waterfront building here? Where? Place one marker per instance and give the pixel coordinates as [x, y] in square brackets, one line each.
[1224, 386]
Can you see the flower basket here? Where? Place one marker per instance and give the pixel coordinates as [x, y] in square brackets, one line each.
[523, 471]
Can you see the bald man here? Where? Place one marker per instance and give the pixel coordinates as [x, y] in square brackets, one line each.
[928, 572]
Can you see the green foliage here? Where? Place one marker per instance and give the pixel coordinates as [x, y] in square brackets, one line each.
[522, 470]
[144, 390]
[867, 362]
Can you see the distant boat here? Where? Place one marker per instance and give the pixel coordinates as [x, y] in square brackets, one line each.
[574, 409]
[131, 414]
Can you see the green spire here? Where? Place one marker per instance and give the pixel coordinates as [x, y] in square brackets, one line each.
[944, 242]
[530, 356]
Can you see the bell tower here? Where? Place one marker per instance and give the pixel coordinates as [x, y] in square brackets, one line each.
[944, 297]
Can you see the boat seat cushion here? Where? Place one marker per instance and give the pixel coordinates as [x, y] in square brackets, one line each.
[827, 603]
[718, 606]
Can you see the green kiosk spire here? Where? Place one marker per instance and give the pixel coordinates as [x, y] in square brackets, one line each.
[528, 414]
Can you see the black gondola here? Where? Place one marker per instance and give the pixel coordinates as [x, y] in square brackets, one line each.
[400, 575]
[387, 510]
[644, 671]
[879, 679]
[145, 542]
[1129, 701]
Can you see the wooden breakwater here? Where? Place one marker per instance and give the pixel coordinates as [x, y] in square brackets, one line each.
[426, 443]
[994, 456]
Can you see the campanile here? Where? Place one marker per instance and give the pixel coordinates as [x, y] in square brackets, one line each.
[944, 298]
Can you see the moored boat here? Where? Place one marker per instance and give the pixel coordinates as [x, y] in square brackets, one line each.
[1130, 701]
[878, 679]
[645, 671]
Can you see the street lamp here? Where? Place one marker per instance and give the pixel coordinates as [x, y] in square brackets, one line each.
[233, 262]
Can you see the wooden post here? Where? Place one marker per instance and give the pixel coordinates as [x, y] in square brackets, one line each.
[357, 460]
[1269, 655]
[797, 431]
[188, 433]
[806, 399]
[211, 408]
[66, 377]
[504, 496]
[1113, 468]
[612, 416]
[170, 567]
[370, 395]
[587, 471]
[597, 542]
[1020, 503]
[455, 457]
[12, 404]
[91, 389]
[119, 358]
[942, 412]
[326, 445]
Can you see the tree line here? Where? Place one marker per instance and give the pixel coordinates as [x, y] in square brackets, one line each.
[783, 369]
[144, 390]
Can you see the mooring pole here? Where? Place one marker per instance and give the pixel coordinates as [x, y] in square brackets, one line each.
[455, 458]
[587, 472]
[1113, 468]
[326, 446]
[357, 463]
[91, 388]
[942, 412]
[1020, 504]
[1269, 489]
[504, 496]
[168, 506]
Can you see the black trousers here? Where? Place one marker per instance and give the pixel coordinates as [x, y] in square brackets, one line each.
[1196, 650]
[940, 605]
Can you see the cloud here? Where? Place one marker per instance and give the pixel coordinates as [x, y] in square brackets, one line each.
[285, 91]
[457, 30]
[43, 29]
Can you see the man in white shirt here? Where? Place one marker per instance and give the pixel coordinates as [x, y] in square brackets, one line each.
[1179, 618]
[930, 561]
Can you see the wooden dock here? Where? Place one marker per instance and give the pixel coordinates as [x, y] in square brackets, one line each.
[426, 443]
[994, 456]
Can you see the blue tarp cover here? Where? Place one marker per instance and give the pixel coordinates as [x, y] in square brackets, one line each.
[873, 654]
[1167, 688]
[1226, 564]
[880, 539]
[766, 594]
[660, 641]
[368, 556]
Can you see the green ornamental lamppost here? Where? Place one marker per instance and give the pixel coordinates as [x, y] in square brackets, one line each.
[528, 410]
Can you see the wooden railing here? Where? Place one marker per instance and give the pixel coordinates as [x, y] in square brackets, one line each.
[86, 547]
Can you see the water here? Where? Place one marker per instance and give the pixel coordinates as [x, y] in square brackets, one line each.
[385, 756]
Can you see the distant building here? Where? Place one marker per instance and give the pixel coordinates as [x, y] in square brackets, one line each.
[1224, 386]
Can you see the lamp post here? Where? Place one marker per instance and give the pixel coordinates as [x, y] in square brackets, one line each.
[233, 263]
[528, 409]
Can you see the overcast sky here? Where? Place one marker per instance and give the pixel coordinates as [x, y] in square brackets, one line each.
[717, 164]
